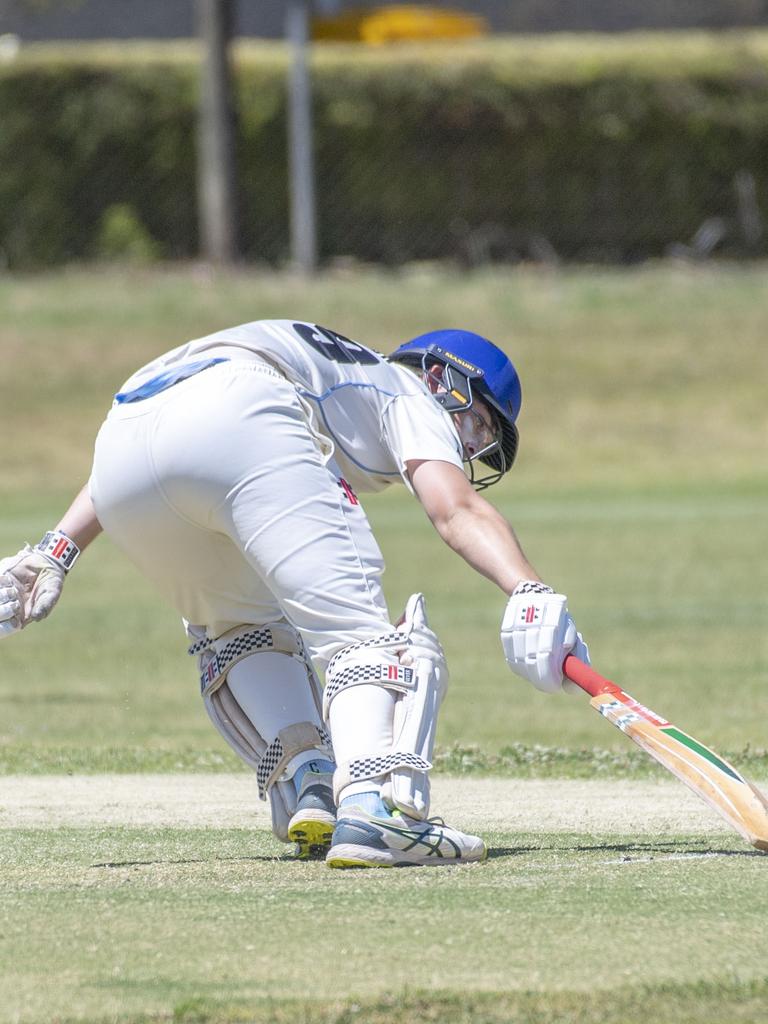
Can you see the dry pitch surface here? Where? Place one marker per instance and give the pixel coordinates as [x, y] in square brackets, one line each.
[230, 801]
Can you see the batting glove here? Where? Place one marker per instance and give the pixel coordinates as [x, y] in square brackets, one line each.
[537, 633]
[11, 604]
[31, 581]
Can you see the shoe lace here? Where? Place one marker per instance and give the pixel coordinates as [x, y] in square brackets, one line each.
[435, 820]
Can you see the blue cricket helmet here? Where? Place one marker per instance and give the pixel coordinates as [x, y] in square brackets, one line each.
[472, 365]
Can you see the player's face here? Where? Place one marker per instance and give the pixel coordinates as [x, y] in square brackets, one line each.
[476, 428]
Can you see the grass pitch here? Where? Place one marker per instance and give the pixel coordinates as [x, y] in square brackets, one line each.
[170, 901]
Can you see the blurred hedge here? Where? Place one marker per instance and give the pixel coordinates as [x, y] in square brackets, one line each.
[607, 148]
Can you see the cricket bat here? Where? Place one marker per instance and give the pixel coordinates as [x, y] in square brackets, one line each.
[710, 777]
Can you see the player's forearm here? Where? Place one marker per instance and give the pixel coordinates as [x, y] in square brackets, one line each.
[487, 542]
[79, 522]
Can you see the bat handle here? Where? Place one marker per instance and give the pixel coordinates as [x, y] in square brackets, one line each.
[585, 677]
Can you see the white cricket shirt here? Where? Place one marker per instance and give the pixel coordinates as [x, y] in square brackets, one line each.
[376, 415]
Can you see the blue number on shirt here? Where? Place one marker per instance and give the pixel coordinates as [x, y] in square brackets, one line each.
[335, 346]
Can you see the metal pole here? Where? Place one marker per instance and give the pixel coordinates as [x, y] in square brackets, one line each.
[300, 156]
[216, 135]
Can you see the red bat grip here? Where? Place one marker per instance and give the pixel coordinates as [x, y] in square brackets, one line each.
[585, 677]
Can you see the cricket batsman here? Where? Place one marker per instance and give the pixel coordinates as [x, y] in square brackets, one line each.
[228, 471]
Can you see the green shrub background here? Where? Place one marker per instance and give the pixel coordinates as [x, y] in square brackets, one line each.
[598, 148]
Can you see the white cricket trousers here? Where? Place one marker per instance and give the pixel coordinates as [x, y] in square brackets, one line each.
[220, 492]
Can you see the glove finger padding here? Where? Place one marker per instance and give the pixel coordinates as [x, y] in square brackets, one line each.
[11, 605]
[537, 633]
[45, 593]
[38, 580]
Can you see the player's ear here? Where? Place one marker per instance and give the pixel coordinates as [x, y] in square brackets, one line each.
[434, 376]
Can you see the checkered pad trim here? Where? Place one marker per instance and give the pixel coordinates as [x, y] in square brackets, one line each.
[371, 767]
[531, 587]
[246, 643]
[396, 676]
[199, 646]
[385, 640]
[272, 761]
[269, 762]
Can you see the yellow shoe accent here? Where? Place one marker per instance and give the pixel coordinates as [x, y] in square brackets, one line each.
[313, 838]
[351, 862]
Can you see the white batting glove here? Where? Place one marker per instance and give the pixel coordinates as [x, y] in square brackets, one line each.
[11, 605]
[31, 581]
[537, 633]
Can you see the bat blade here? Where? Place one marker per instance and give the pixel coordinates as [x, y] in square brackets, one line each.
[707, 774]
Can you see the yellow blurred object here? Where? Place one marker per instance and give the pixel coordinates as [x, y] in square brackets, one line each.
[398, 23]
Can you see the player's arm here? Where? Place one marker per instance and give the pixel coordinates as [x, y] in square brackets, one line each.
[80, 522]
[31, 581]
[469, 524]
[537, 632]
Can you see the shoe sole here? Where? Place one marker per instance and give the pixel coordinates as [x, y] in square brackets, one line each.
[347, 855]
[312, 833]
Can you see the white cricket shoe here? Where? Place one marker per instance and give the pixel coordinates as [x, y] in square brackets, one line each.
[361, 840]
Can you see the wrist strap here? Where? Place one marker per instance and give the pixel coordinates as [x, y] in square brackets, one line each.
[531, 587]
[61, 548]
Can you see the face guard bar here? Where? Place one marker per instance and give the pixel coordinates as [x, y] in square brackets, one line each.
[457, 379]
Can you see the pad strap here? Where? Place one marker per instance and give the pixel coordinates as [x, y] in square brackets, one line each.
[242, 642]
[372, 767]
[346, 670]
[292, 740]
[395, 639]
[396, 677]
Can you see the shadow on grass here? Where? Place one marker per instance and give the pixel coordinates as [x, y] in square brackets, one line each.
[646, 849]
[279, 859]
[666, 849]
[497, 852]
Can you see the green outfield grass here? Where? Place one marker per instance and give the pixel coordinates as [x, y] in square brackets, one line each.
[148, 921]
[669, 599]
[629, 377]
[641, 492]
